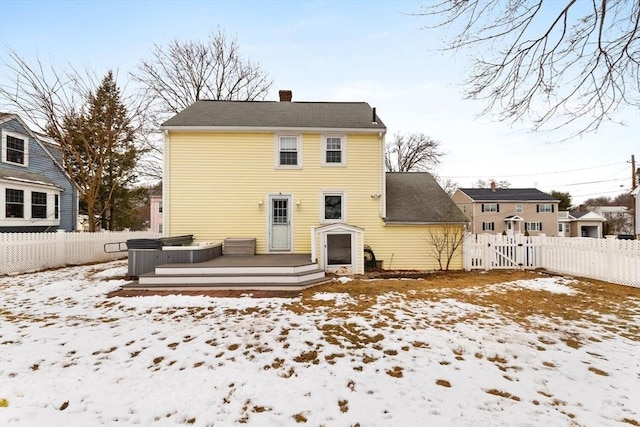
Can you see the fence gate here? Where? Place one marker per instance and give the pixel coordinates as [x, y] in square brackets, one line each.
[488, 252]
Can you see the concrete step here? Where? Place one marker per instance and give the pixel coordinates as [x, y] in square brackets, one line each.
[190, 278]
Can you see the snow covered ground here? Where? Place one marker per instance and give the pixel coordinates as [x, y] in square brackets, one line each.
[71, 357]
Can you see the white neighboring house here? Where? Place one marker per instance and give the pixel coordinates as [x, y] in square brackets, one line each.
[619, 218]
[580, 224]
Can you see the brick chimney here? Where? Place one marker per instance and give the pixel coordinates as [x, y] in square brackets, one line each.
[493, 186]
[285, 95]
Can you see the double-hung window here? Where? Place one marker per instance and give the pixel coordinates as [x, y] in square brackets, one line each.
[488, 226]
[333, 206]
[533, 226]
[14, 203]
[289, 152]
[334, 151]
[15, 148]
[490, 207]
[545, 208]
[38, 205]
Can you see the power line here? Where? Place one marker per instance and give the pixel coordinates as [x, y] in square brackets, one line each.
[535, 174]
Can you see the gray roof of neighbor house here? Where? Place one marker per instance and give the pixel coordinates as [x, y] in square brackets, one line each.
[12, 174]
[272, 114]
[507, 195]
[416, 197]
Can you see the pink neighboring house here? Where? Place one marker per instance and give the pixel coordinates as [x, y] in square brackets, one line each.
[155, 216]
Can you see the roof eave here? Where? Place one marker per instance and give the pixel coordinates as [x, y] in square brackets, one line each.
[392, 222]
[271, 129]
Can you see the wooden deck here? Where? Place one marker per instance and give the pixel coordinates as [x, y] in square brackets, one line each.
[264, 260]
[275, 272]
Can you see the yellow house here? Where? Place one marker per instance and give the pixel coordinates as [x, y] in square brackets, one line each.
[301, 178]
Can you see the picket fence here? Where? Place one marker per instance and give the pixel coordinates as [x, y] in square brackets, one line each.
[26, 252]
[611, 260]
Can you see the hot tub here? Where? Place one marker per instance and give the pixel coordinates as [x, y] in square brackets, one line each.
[146, 254]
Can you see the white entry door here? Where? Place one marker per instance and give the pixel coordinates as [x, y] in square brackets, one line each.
[280, 223]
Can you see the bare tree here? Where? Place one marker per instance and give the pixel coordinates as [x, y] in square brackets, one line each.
[448, 185]
[557, 63]
[93, 124]
[413, 152]
[481, 183]
[183, 72]
[445, 242]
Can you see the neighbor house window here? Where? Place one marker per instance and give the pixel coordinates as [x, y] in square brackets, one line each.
[333, 207]
[545, 208]
[333, 151]
[533, 226]
[519, 208]
[14, 203]
[560, 228]
[38, 205]
[289, 151]
[15, 148]
[487, 226]
[160, 207]
[56, 207]
[490, 207]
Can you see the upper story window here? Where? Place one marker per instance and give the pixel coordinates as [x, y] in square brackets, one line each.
[38, 204]
[490, 207]
[15, 148]
[56, 207]
[160, 207]
[333, 207]
[14, 203]
[545, 208]
[334, 151]
[519, 208]
[289, 152]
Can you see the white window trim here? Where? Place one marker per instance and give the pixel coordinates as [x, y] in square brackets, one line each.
[537, 224]
[27, 220]
[276, 150]
[341, 193]
[488, 226]
[343, 150]
[18, 135]
[519, 208]
[545, 206]
[485, 210]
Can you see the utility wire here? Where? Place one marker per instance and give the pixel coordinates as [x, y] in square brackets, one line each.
[536, 174]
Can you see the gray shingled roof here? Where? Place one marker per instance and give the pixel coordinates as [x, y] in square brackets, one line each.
[271, 114]
[417, 197]
[24, 176]
[507, 195]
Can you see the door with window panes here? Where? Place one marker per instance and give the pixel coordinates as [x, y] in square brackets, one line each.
[280, 223]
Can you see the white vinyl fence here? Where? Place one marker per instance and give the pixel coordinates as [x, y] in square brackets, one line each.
[610, 260]
[25, 252]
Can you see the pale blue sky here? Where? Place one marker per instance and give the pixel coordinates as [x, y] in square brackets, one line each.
[371, 51]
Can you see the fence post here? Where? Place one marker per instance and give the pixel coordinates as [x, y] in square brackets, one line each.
[61, 252]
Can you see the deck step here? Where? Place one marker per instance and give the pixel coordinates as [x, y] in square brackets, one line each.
[225, 286]
[191, 278]
[181, 269]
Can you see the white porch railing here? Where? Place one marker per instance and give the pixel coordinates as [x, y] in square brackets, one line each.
[611, 260]
[25, 252]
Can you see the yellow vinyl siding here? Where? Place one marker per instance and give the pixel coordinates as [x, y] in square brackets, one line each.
[407, 247]
[218, 179]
